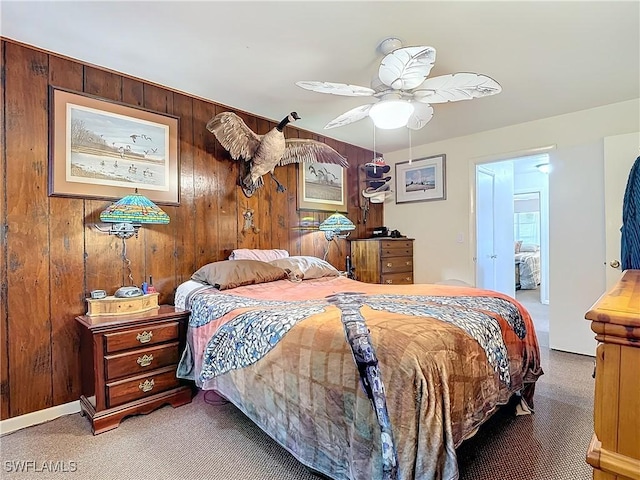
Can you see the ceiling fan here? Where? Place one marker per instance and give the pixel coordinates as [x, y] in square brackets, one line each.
[404, 92]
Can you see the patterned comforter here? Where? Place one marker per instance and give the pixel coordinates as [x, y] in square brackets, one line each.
[448, 356]
[528, 270]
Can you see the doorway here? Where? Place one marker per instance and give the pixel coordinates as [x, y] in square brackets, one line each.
[512, 211]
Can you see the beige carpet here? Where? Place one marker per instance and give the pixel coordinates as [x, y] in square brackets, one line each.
[539, 312]
[200, 441]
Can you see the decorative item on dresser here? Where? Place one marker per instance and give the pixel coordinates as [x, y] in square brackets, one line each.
[383, 260]
[129, 364]
[614, 451]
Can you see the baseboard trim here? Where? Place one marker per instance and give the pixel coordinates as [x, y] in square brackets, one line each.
[34, 418]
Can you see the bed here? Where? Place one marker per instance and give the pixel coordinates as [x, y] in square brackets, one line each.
[448, 357]
[527, 265]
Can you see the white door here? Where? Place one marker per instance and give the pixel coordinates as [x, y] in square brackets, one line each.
[620, 152]
[495, 269]
[485, 256]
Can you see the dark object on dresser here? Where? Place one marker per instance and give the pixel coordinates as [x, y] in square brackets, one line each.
[129, 364]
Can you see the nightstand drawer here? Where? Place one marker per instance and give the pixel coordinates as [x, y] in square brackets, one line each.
[140, 337]
[403, 278]
[397, 264]
[139, 361]
[130, 389]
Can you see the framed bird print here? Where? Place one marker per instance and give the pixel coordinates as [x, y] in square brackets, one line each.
[106, 150]
[322, 186]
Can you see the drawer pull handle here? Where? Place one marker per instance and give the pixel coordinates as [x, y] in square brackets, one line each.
[145, 360]
[408, 279]
[408, 262]
[389, 281]
[144, 337]
[389, 264]
[146, 386]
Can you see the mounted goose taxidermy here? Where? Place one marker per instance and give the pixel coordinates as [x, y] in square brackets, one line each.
[261, 154]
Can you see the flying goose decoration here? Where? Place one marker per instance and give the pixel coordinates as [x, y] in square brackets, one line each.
[402, 85]
[261, 154]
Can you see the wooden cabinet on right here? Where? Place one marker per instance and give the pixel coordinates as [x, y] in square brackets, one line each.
[383, 260]
[614, 451]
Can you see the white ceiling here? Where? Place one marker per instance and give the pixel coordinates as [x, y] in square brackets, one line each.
[549, 57]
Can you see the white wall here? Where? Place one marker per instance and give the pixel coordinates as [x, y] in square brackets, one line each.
[576, 275]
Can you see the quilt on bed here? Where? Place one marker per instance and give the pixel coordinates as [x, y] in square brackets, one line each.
[528, 270]
[448, 357]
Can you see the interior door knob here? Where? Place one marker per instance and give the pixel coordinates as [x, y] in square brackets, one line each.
[614, 264]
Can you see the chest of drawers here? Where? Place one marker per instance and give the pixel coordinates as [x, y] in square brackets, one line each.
[383, 260]
[614, 451]
[129, 364]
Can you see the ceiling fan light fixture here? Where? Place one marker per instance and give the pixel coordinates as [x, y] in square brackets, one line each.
[390, 114]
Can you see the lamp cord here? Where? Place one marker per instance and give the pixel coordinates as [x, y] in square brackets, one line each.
[126, 261]
[326, 251]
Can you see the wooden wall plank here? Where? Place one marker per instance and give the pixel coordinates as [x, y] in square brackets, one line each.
[4, 336]
[66, 248]
[183, 217]
[205, 198]
[229, 194]
[29, 326]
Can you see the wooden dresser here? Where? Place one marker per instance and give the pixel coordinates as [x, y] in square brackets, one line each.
[383, 260]
[129, 364]
[614, 451]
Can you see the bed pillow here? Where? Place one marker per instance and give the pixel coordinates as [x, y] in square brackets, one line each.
[529, 247]
[518, 246]
[258, 254]
[235, 273]
[306, 267]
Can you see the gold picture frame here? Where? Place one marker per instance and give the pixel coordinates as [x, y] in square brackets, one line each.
[322, 186]
[106, 150]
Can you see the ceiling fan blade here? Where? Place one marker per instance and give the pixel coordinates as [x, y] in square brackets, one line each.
[351, 116]
[406, 68]
[456, 86]
[422, 114]
[336, 88]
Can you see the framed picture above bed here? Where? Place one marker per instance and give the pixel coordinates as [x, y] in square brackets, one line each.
[104, 149]
[421, 180]
[322, 186]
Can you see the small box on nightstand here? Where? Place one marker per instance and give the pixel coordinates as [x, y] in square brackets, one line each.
[121, 306]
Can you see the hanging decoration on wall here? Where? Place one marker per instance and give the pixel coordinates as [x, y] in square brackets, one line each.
[261, 154]
[248, 220]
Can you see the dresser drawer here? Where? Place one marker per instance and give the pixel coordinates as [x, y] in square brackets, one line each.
[397, 264]
[129, 389]
[138, 361]
[401, 278]
[143, 336]
[396, 250]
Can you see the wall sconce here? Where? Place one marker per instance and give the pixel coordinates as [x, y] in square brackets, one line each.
[336, 226]
[127, 215]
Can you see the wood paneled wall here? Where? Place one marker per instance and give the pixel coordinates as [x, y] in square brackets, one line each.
[51, 254]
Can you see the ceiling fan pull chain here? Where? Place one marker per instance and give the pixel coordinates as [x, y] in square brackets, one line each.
[410, 153]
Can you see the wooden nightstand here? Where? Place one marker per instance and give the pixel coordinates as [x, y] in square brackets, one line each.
[129, 364]
[383, 260]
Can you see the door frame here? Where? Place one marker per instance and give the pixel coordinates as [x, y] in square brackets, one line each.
[474, 162]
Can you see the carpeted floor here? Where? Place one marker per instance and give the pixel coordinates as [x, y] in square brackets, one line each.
[201, 441]
[539, 312]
